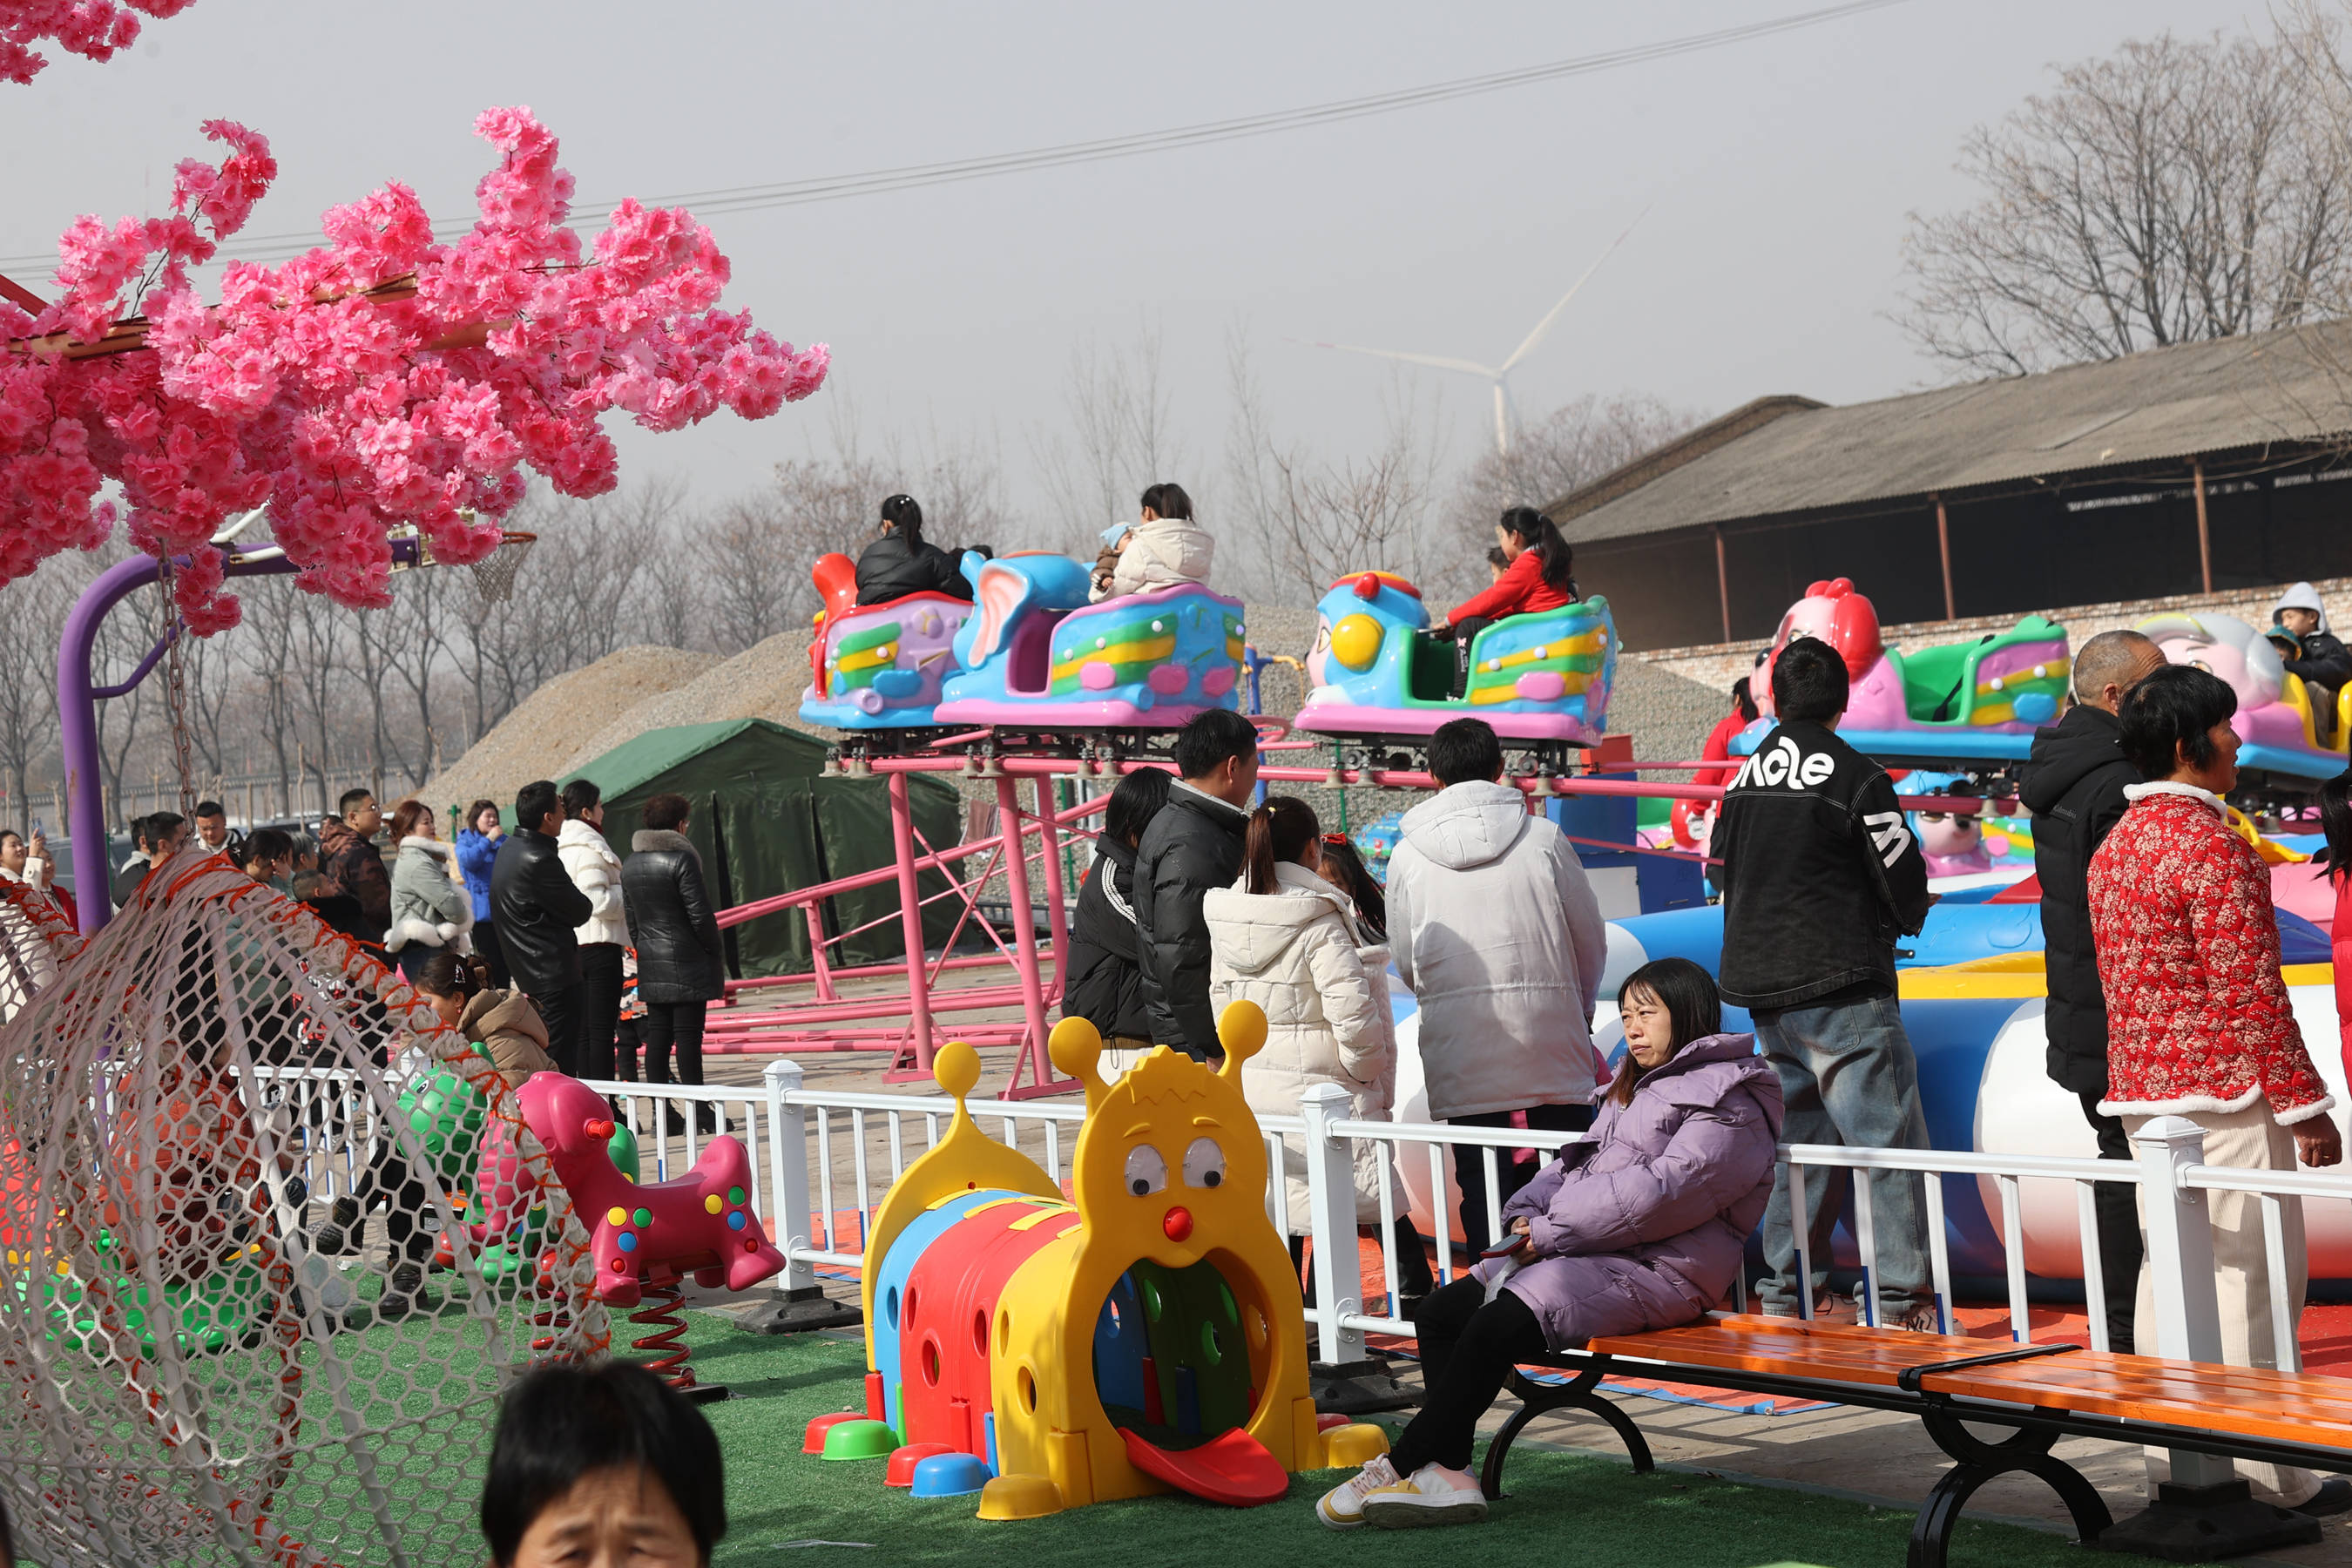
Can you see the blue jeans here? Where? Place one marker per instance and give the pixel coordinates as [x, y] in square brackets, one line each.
[1847, 1076]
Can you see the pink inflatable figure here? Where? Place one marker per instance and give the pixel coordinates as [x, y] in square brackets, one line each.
[2274, 718]
[701, 1224]
[1836, 615]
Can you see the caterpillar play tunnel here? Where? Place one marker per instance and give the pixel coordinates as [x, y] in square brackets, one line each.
[1145, 1333]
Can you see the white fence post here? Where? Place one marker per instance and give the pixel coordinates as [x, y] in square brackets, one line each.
[2180, 1267]
[1331, 1226]
[800, 1302]
[788, 1173]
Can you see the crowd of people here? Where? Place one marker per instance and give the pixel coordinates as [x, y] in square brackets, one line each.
[2166, 998]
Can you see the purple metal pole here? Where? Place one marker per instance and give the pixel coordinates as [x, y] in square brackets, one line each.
[77, 735]
[1050, 841]
[78, 696]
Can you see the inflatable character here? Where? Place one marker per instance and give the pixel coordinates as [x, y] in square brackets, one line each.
[1952, 841]
[1973, 701]
[2274, 718]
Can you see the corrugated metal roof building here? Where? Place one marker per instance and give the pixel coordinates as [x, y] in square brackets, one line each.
[2177, 470]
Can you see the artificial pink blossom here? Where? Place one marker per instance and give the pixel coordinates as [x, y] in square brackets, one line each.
[94, 29]
[378, 380]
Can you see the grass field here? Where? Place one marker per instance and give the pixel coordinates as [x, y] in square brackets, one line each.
[429, 1459]
[1561, 1507]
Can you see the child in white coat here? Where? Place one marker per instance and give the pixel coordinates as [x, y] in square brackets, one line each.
[1286, 939]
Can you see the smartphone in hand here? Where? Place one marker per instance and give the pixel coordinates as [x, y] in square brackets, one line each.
[1505, 1248]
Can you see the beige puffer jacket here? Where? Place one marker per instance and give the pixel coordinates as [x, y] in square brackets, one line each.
[507, 1025]
[1162, 553]
[1298, 955]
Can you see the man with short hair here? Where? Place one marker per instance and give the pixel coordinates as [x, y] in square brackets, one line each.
[602, 937]
[154, 839]
[1194, 844]
[2073, 782]
[212, 827]
[1496, 931]
[1819, 875]
[349, 856]
[536, 910]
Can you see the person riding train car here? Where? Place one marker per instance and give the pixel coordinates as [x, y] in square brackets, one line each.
[2308, 648]
[1541, 576]
[901, 562]
[1165, 549]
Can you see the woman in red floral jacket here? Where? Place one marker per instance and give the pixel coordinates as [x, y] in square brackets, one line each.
[2199, 1024]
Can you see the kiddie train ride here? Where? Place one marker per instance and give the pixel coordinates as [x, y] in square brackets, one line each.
[1028, 654]
[1144, 1334]
[1541, 679]
[1971, 708]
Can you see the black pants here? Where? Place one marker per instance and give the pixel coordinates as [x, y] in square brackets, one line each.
[560, 1011]
[625, 1049]
[1465, 632]
[678, 1024]
[2116, 1207]
[1468, 1346]
[1414, 1276]
[487, 947]
[393, 1184]
[1470, 1162]
[600, 1006]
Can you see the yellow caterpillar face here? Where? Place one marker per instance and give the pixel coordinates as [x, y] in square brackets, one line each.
[1171, 1154]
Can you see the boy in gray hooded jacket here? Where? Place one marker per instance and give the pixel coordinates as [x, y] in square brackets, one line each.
[1495, 929]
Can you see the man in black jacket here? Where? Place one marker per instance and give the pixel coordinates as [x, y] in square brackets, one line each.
[1819, 875]
[2073, 783]
[535, 907]
[1192, 845]
[1104, 982]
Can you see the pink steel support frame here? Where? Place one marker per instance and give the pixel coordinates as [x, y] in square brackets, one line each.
[904, 1020]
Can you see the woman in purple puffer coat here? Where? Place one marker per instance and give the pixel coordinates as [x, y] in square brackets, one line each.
[1641, 1225]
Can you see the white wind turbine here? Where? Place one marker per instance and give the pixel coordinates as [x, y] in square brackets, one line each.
[1505, 410]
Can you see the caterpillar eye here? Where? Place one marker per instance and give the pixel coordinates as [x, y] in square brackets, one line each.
[1146, 1171]
[1204, 1164]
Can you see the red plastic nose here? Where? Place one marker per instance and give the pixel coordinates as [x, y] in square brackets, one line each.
[1178, 1225]
[599, 1130]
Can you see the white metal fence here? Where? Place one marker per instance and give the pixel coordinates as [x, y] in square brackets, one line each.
[822, 1160]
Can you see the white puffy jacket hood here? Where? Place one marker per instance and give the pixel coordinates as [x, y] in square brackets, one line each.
[1467, 825]
[2302, 596]
[1496, 931]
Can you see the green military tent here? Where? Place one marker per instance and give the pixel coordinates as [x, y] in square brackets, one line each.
[767, 821]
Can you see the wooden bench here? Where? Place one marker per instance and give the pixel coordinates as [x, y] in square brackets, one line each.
[2043, 1392]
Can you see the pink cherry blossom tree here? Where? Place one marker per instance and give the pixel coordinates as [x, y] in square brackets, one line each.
[94, 29]
[380, 379]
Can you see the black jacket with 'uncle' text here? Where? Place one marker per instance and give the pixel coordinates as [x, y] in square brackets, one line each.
[1821, 872]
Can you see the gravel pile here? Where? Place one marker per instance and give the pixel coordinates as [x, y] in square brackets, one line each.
[550, 726]
[1668, 715]
[763, 681]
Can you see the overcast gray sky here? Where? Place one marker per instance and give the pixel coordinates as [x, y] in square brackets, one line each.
[1781, 170]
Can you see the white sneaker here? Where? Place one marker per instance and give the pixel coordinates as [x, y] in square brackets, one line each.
[1431, 1495]
[1342, 1508]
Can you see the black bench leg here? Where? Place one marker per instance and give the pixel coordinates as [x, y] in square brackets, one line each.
[1541, 1399]
[1976, 1462]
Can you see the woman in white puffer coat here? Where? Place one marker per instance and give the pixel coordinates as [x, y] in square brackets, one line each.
[1284, 939]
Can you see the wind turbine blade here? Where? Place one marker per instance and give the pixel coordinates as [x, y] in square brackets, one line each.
[1545, 325]
[1436, 362]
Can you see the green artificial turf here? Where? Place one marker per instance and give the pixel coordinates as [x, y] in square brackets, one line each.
[1562, 1505]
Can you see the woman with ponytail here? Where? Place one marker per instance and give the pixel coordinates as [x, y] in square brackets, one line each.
[901, 562]
[1285, 939]
[1541, 575]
